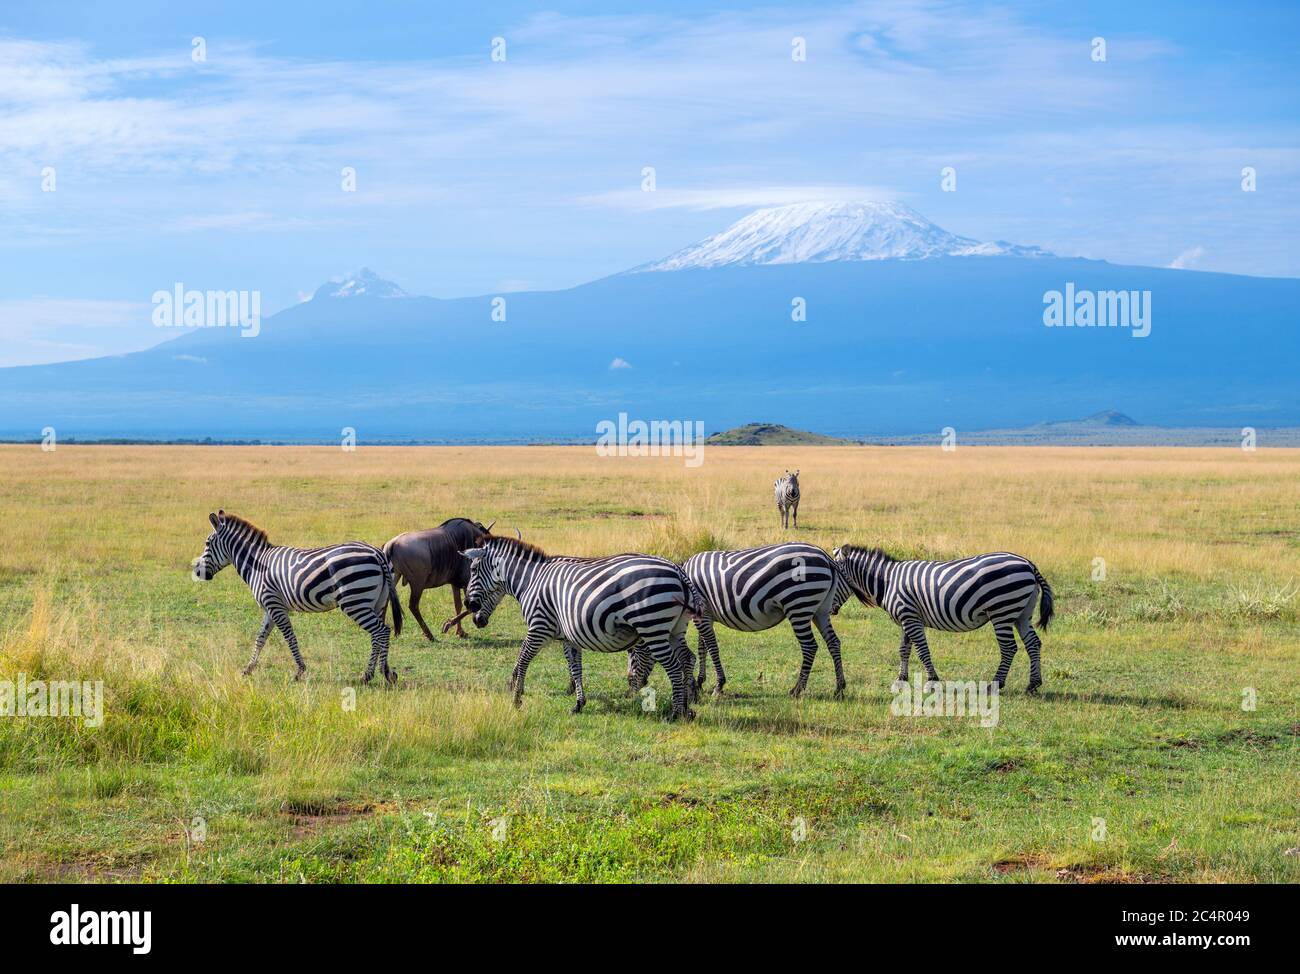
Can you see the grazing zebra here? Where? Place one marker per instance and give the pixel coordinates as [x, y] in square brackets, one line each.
[755, 589]
[353, 576]
[955, 596]
[603, 604]
[787, 497]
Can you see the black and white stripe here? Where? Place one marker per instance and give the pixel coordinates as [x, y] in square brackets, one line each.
[955, 596]
[354, 577]
[607, 605]
[786, 489]
[757, 588]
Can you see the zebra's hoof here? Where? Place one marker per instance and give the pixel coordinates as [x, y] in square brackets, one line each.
[1032, 689]
[391, 678]
[577, 707]
[246, 671]
[298, 676]
[839, 693]
[899, 684]
[519, 700]
[796, 691]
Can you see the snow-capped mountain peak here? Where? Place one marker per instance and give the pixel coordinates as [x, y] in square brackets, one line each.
[817, 232]
[364, 283]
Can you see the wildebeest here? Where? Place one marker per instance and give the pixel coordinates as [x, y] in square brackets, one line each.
[429, 559]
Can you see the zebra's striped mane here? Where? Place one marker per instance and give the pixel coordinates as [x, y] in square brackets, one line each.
[881, 553]
[254, 532]
[529, 551]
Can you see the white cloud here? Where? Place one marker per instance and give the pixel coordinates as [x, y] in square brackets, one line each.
[620, 363]
[1187, 258]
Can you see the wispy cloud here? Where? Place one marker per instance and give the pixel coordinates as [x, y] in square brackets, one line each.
[1187, 258]
[731, 197]
[38, 330]
[473, 169]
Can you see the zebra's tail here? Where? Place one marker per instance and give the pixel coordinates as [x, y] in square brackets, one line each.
[694, 604]
[394, 602]
[1046, 604]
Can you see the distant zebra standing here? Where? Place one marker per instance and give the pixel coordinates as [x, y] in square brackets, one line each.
[354, 576]
[755, 589]
[608, 605]
[787, 497]
[955, 596]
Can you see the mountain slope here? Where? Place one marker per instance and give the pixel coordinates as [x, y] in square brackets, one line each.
[888, 347]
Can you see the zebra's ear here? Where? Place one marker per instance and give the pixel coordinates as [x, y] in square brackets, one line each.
[215, 523]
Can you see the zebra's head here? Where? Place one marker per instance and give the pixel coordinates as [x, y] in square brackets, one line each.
[216, 550]
[860, 567]
[487, 584]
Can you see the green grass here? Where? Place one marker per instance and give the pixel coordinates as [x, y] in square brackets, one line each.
[442, 780]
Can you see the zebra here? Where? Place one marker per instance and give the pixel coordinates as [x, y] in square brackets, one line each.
[354, 576]
[786, 489]
[954, 596]
[608, 605]
[755, 589]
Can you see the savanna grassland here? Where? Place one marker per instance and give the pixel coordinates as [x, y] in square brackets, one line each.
[199, 774]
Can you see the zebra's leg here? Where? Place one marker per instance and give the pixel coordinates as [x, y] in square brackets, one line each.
[414, 604]
[904, 655]
[683, 650]
[640, 664]
[257, 647]
[373, 623]
[663, 653]
[574, 656]
[709, 647]
[796, 514]
[527, 650]
[1007, 646]
[914, 632]
[833, 644]
[808, 644]
[1033, 646]
[281, 620]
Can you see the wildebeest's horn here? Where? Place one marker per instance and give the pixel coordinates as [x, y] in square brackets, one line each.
[518, 535]
[472, 553]
[489, 527]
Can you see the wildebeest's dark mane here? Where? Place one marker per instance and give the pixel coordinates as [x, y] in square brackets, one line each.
[252, 529]
[855, 549]
[463, 532]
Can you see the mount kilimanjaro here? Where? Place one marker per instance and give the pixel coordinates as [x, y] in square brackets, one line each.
[855, 319]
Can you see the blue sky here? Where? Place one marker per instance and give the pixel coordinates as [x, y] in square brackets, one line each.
[476, 176]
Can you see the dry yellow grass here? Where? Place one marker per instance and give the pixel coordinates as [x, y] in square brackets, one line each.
[1141, 720]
